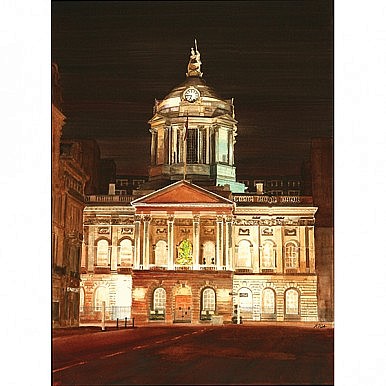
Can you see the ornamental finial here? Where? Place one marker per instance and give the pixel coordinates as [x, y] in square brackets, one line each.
[194, 66]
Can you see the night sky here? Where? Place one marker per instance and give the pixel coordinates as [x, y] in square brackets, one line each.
[274, 57]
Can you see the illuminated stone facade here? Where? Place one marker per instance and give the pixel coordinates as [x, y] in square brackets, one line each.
[188, 251]
[193, 132]
[107, 260]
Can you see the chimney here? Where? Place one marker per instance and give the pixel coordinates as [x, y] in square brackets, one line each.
[111, 189]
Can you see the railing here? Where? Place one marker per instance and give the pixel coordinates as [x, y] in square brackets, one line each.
[157, 314]
[111, 313]
[109, 198]
[179, 267]
[154, 267]
[243, 270]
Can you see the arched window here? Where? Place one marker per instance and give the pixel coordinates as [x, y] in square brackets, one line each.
[245, 303]
[102, 253]
[161, 253]
[268, 255]
[101, 294]
[291, 255]
[208, 300]
[159, 299]
[244, 258]
[209, 253]
[125, 256]
[292, 302]
[268, 301]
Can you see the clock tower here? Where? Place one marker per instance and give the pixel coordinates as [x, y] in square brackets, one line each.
[193, 132]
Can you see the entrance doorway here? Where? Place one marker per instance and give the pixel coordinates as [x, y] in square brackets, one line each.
[183, 309]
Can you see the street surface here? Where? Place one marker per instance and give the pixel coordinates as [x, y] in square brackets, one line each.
[186, 354]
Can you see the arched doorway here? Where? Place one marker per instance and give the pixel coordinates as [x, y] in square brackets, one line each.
[245, 303]
[183, 305]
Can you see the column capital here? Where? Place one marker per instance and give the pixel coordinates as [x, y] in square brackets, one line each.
[219, 218]
[137, 217]
[229, 218]
[146, 217]
[196, 218]
[170, 218]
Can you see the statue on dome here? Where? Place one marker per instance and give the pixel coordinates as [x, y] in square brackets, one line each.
[194, 65]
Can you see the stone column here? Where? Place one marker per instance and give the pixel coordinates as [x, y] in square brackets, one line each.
[114, 247]
[83, 261]
[181, 145]
[91, 248]
[216, 144]
[196, 242]
[137, 242]
[207, 159]
[146, 249]
[259, 250]
[153, 149]
[170, 243]
[256, 250]
[279, 249]
[302, 249]
[219, 241]
[228, 243]
[311, 247]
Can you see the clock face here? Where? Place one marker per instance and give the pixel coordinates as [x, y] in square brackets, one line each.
[191, 94]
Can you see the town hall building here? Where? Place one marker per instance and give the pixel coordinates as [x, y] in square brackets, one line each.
[190, 246]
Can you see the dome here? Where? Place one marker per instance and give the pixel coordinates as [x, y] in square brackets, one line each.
[197, 82]
[206, 103]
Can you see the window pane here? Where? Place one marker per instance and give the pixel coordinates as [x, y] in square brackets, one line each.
[291, 256]
[223, 145]
[159, 299]
[208, 300]
[161, 253]
[268, 257]
[244, 258]
[192, 146]
[55, 311]
[292, 302]
[125, 252]
[268, 301]
[209, 253]
[102, 252]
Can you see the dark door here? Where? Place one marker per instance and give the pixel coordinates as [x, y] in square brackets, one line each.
[183, 309]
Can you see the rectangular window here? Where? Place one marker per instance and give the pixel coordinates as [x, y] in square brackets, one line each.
[122, 182]
[137, 183]
[203, 147]
[191, 147]
[55, 311]
[245, 182]
[223, 145]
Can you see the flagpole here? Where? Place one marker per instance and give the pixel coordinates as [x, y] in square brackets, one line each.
[185, 147]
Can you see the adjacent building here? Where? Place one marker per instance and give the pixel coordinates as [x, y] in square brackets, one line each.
[68, 183]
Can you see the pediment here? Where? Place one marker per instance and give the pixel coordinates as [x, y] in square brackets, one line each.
[181, 192]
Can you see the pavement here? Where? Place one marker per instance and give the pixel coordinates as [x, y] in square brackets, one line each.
[87, 328]
[257, 353]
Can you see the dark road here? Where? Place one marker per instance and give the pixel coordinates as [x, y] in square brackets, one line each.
[275, 355]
